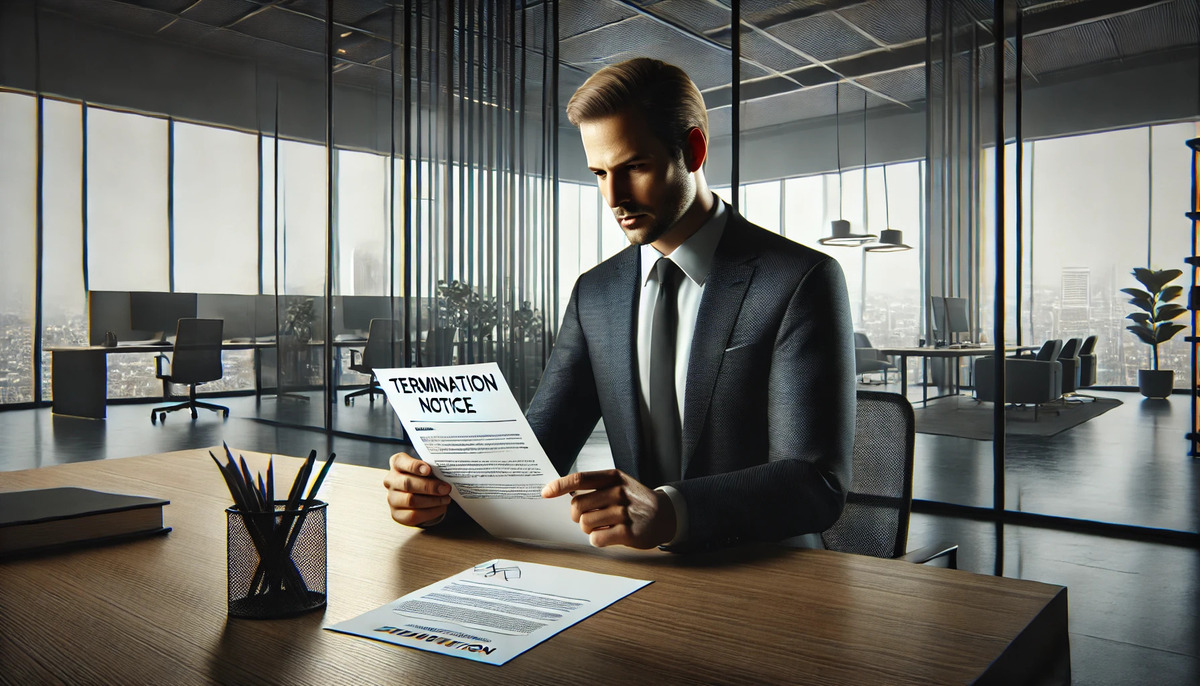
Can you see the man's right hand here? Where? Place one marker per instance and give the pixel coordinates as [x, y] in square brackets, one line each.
[416, 497]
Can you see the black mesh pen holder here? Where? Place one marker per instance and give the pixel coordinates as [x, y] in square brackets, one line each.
[277, 561]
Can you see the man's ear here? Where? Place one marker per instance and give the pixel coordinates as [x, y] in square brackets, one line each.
[695, 150]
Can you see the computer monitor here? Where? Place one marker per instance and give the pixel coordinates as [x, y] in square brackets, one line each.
[358, 310]
[264, 316]
[938, 317]
[108, 311]
[957, 320]
[156, 315]
[237, 311]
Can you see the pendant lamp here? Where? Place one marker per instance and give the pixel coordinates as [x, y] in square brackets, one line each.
[890, 240]
[840, 228]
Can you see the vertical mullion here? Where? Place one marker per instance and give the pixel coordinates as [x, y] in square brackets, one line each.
[83, 192]
[551, 306]
[330, 209]
[735, 9]
[171, 204]
[998, 428]
[1020, 187]
[39, 237]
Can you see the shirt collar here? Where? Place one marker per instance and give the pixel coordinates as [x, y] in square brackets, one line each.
[695, 256]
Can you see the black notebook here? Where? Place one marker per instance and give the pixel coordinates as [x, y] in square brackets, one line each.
[46, 519]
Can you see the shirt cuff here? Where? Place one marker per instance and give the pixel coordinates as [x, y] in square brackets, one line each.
[681, 519]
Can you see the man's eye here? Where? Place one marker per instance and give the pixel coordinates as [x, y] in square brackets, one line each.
[599, 174]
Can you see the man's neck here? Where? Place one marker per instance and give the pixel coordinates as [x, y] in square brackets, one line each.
[689, 223]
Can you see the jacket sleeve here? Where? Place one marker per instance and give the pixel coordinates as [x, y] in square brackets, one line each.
[566, 407]
[800, 485]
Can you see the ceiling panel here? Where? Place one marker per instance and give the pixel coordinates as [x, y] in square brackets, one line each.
[1074, 46]
[286, 27]
[576, 17]
[824, 37]
[905, 85]
[219, 12]
[1156, 28]
[770, 54]
[891, 21]
[118, 15]
[697, 15]
[709, 67]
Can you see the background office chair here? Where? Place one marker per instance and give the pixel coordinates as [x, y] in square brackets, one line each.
[1068, 357]
[875, 520]
[867, 359]
[195, 359]
[1027, 381]
[381, 351]
[1087, 370]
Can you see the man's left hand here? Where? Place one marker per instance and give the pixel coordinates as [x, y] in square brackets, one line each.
[618, 510]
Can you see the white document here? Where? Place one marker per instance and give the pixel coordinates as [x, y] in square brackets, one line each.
[492, 612]
[464, 421]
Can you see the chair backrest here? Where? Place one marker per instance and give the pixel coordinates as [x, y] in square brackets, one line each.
[875, 521]
[1070, 349]
[381, 349]
[1050, 350]
[1089, 345]
[861, 340]
[197, 354]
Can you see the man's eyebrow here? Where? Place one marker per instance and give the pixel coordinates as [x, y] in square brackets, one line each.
[632, 159]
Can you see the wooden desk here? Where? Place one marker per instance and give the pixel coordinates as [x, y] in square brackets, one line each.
[154, 610]
[953, 353]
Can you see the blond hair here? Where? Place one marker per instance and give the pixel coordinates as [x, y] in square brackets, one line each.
[661, 93]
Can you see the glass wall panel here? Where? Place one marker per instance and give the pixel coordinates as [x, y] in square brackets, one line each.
[64, 296]
[1090, 226]
[18, 219]
[302, 221]
[1171, 231]
[216, 210]
[127, 202]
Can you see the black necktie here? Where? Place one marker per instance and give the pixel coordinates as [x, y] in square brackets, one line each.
[664, 406]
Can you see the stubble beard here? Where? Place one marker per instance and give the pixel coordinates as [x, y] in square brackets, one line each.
[674, 206]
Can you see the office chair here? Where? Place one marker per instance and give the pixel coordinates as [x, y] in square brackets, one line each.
[195, 359]
[1087, 370]
[875, 520]
[867, 358]
[380, 351]
[1068, 357]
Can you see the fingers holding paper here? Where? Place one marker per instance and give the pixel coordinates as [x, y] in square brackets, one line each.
[415, 497]
[617, 510]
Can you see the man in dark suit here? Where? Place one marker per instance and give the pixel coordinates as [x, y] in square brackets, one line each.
[752, 333]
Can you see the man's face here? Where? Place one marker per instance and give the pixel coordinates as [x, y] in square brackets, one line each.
[647, 187]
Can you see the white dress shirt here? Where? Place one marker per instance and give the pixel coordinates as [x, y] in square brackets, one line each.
[694, 258]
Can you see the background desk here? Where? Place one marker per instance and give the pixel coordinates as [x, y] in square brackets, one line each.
[153, 610]
[943, 353]
[79, 374]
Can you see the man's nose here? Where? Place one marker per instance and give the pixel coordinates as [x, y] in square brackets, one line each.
[615, 190]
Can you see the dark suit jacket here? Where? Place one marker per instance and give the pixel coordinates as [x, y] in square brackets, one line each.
[769, 413]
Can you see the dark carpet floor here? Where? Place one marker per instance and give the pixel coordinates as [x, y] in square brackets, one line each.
[964, 417]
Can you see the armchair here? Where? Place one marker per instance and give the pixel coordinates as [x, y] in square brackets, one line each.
[1087, 363]
[1027, 382]
[1069, 359]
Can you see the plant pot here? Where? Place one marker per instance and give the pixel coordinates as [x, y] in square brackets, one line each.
[1156, 383]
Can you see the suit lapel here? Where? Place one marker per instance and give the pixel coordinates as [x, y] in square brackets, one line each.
[621, 344]
[728, 280]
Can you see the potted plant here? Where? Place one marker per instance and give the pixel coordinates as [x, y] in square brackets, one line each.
[1153, 323]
